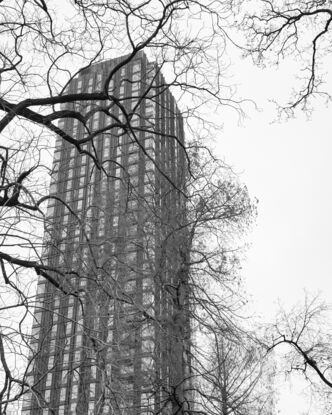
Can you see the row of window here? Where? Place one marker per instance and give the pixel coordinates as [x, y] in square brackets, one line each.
[72, 154]
[81, 173]
[130, 234]
[76, 198]
[148, 118]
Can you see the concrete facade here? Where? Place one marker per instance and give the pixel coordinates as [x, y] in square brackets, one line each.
[114, 337]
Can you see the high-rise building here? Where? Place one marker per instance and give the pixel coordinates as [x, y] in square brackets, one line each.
[111, 327]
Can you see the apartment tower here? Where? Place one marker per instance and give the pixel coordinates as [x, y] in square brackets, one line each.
[113, 336]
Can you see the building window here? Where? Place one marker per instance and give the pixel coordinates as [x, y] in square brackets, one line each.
[149, 177]
[148, 346]
[49, 380]
[61, 124]
[132, 204]
[79, 85]
[110, 336]
[55, 167]
[133, 169]
[99, 78]
[135, 121]
[131, 256]
[126, 370]
[92, 390]
[111, 86]
[115, 221]
[80, 193]
[53, 188]
[65, 359]
[135, 86]
[57, 156]
[77, 355]
[136, 77]
[50, 211]
[149, 142]
[147, 363]
[149, 165]
[68, 328]
[54, 176]
[149, 112]
[117, 184]
[41, 288]
[47, 394]
[88, 108]
[62, 394]
[79, 205]
[69, 184]
[132, 231]
[68, 194]
[106, 152]
[133, 147]
[118, 152]
[130, 286]
[147, 331]
[90, 84]
[94, 124]
[136, 66]
[74, 392]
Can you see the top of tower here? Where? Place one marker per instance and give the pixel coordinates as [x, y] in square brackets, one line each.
[97, 66]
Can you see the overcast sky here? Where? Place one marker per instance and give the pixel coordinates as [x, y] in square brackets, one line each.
[287, 166]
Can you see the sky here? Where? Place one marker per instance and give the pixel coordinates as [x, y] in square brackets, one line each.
[286, 165]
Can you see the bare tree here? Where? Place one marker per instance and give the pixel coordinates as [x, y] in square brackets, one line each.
[218, 212]
[299, 31]
[44, 52]
[201, 292]
[302, 336]
[44, 49]
[240, 381]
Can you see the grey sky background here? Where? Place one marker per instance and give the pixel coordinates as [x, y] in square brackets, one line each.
[287, 166]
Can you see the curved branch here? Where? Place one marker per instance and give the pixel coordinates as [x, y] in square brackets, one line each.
[305, 355]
